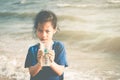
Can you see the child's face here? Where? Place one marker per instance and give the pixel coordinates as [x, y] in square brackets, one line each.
[45, 32]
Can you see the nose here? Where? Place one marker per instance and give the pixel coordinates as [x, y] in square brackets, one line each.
[44, 34]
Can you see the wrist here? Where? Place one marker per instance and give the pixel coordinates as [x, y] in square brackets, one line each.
[39, 64]
[52, 63]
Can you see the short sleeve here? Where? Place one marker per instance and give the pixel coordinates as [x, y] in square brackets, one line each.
[61, 58]
[31, 57]
[28, 60]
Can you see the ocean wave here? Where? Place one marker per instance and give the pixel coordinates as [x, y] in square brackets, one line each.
[90, 41]
[107, 5]
[108, 44]
[114, 1]
[70, 18]
[17, 14]
[32, 15]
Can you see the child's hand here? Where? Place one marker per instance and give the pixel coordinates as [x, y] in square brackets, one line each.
[40, 56]
[51, 55]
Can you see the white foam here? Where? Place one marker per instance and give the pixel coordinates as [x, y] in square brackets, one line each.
[23, 1]
[113, 1]
[14, 69]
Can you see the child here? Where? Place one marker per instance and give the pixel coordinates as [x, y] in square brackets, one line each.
[45, 27]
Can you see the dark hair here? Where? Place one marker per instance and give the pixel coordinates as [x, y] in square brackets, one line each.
[45, 16]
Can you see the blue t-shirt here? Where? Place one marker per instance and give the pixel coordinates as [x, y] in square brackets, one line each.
[47, 73]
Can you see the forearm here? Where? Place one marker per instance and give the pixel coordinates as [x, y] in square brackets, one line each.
[35, 69]
[59, 69]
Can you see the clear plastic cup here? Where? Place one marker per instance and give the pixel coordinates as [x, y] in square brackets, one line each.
[46, 48]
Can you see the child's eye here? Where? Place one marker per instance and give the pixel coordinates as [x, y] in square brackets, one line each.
[47, 31]
[40, 30]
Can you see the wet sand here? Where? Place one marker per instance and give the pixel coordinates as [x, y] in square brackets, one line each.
[4, 78]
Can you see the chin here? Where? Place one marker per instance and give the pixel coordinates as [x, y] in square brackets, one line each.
[44, 41]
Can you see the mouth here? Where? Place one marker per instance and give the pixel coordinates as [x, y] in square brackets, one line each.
[43, 40]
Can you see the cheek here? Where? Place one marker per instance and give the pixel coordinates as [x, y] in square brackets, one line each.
[51, 35]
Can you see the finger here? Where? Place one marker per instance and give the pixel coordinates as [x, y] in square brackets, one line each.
[40, 52]
[50, 55]
[51, 58]
[51, 52]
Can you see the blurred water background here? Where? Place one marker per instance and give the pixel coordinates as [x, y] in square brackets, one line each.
[90, 30]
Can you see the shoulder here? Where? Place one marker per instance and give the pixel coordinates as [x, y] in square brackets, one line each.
[59, 43]
[34, 47]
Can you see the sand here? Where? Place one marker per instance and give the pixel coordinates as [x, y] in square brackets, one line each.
[4, 78]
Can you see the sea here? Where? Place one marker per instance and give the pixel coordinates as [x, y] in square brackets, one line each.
[89, 29]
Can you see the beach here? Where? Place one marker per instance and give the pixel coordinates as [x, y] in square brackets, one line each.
[3, 78]
[90, 31]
